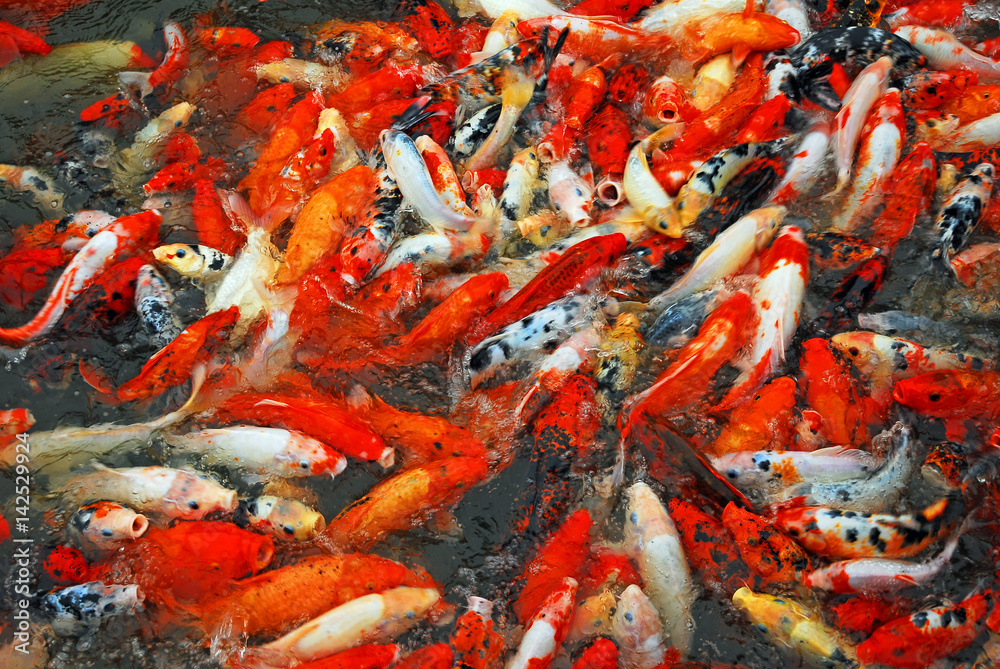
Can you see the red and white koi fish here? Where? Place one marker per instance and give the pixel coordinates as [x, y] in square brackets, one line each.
[876, 575]
[867, 88]
[546, 630]
[124, 237]
[173, 67]
[945, 52]
[806, 166]
[784, 272]
[880, 147]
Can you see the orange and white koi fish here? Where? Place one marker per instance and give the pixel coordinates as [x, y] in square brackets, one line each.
[546, 630]
[125, 236]
[945, 52]
[867, 88]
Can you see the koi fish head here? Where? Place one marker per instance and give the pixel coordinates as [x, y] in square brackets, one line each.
[185, 259]
[667, 102]
[940, 393]
[741, 469]
[636, 620]
[305, 456]
[286, 519]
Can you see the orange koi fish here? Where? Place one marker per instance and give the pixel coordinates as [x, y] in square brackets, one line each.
[227, 41]
[765, 548]
[766, 422]
[688, 379]
[740, 33]
[264, 110]
[127, 235]
[172, 364]
[440, 329]
[403, 501]
[419, 438]
[274, 601]
[476, 643]
[951, 393]
[829, 388]
[187, 563]
[601, 654]
[595, 39]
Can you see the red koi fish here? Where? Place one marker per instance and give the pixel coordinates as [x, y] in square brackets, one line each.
[12, 423]
[181, 176]
[172, 365]
[602, 654]
[767, 122]
[688, 379]
[476, 643]
[314, 416]
[609, 135]
[264, 110]
[574, 269]
[106, 302]
[25, 272]
[436, 656]
[628, 83]
[864, 614]
[563, 556]
[917, 640]
[434, 336]
[765, 548]
[974, 103]
[620, 11]
[913, 189]
[66, 565]
[667, 102]
[951, 393]
[161, 81]
[608, 565]
[783, 275]
[709, 548]
[188, 562]
[125, 236]
[215, 228]
[829, 388]
[596, 39]
[393, 82]
[15, 42]
[433, 28]
[717, 125]
[227, 41]
[405, 500]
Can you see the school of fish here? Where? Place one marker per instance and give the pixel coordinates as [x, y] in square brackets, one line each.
[626, 257]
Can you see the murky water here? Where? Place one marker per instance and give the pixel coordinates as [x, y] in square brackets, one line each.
[37, 127]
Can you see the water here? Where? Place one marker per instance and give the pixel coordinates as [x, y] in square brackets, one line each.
[37, 127]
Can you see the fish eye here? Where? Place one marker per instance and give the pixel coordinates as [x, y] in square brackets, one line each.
[762, 627]
[304, 464]
[180, 253]
[732, 473]
[853, 350]
[193, 504]
[288, 529]
[934, 397]
[629, 617]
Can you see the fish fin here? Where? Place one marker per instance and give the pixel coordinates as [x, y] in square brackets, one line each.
[935, 510]
[740, 53]
[238, 209]
[955, 430]
[905, 578]
[822, 93]
[137, 80]
[750, 9]
[857, 455]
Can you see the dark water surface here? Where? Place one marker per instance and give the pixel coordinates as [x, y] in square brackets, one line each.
[37, 126]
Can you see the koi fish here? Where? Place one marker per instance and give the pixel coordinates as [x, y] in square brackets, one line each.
[878, 575]
[960, 212]
[647, 196]
[766, 422]
[951, 393]
[105, 526]
[476, 644]
[654, 543]
[637, 629]
[75, 610]
[753, 471]
[267, 450]
[285, 519]
[366, 619]
[923, 637]
[850, 535]
[764, 548]
[125, 236]
[944, 52]
[171, 493]
[798, 627]
[709, 548]
[546, 630]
